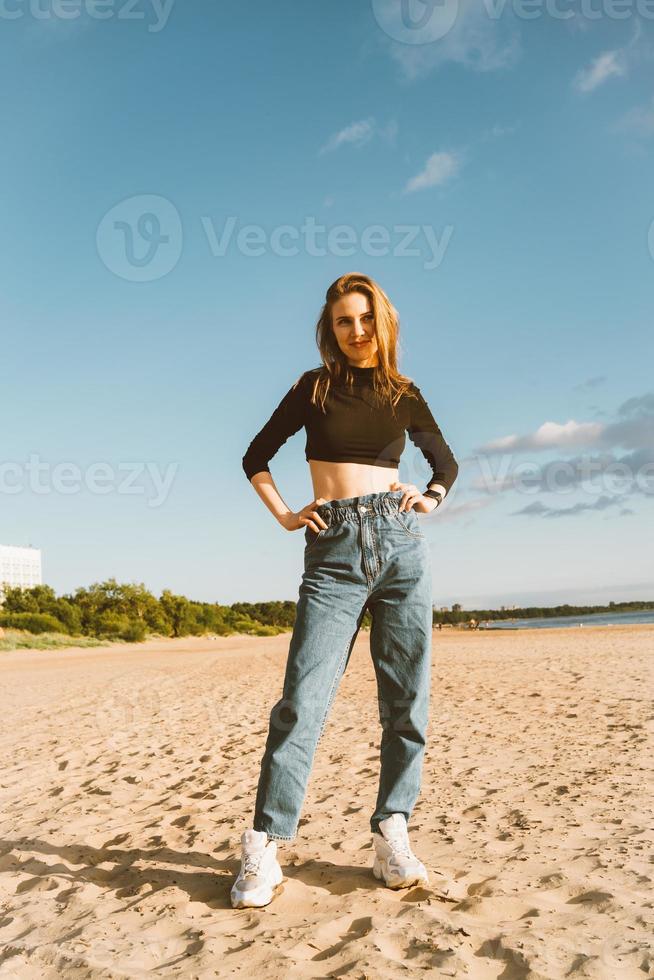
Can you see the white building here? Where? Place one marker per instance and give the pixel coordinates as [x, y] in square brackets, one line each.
[19, 567]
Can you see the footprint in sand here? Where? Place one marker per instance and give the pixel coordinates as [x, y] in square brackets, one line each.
[596, 900]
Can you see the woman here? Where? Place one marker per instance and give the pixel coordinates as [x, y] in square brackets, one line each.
[364, 548]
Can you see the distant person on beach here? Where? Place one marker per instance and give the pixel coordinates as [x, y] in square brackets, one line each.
[364, 548]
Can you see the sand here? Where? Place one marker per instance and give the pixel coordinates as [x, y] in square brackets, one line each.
[130, 772]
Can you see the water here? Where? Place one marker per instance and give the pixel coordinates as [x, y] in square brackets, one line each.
[594, 619]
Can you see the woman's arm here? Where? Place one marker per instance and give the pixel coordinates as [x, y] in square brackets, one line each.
[264, 484]
[426, 435]
[287, 419]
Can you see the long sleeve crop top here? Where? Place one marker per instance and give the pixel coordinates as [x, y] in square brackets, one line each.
[356, 428]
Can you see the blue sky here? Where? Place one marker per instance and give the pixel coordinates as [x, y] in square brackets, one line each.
[147, 334]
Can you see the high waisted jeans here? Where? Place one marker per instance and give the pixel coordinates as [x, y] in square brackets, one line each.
[369, 556]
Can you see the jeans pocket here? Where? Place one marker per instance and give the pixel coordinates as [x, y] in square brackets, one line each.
[408, 521]
[311, 537]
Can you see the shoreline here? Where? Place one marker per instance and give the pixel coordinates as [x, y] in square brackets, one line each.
[230, 644]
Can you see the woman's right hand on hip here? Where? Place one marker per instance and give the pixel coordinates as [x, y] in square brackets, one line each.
[307, 517]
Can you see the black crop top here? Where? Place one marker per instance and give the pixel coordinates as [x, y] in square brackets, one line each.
[356, 428]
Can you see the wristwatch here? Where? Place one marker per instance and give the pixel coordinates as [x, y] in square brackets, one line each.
[436, 494]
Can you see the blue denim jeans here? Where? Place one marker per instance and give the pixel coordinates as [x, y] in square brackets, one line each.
[369, 556]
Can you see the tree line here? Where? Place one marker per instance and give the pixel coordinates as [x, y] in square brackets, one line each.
[128, 611]
[459, 615]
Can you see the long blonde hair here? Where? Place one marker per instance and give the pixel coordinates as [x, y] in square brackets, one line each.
[389, 383]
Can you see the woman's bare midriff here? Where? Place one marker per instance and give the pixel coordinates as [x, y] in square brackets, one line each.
[333, 481]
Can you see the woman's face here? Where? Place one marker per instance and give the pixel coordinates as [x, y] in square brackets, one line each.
[353, 324]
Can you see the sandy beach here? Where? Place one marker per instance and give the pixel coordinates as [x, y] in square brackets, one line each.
[129, 773]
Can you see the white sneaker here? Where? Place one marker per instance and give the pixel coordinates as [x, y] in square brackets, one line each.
[260, 871]
[395, 862]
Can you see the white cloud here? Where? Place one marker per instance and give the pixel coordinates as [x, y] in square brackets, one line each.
[611, 64]
[604, 501]
[632, 428]
[356, 134]
[462, 32]
[639, 120]
[439, 168]
[605, 66]
[620, 476]
[389, 131]
[498, 130]
[575, 471]
[591, 383]
[640, 406]
[550, 435]
[361, 132]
